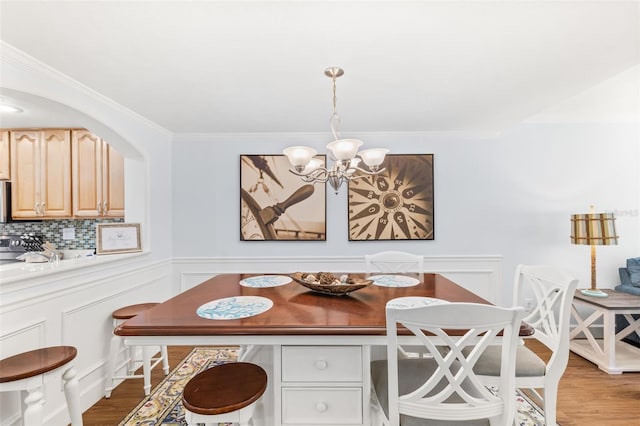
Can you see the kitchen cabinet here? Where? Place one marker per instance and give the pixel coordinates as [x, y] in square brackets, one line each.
[98, 177]
[41, 174]
[5, 170]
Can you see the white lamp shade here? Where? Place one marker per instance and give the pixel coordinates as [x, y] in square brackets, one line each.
[354, 163]
[299, 156]
[344, 149]
[314, 164]
[373, 157]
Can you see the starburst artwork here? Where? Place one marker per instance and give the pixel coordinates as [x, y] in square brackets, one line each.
[396, 204]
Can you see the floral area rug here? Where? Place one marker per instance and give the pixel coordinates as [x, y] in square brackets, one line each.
[164, 405]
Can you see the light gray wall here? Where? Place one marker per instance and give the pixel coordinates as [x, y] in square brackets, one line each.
[509, 195]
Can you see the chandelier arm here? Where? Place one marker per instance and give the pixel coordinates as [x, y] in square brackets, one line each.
[314, 174]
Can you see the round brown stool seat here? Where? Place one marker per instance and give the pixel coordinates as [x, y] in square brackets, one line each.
[224, 393]
[27, 372]
[116, 348]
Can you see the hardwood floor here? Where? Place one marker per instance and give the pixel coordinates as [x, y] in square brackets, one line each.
[587, 395]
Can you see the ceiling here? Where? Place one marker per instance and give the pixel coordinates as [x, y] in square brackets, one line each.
[239, 66]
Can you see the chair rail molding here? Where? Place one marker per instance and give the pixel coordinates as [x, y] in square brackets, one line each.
[481, 274]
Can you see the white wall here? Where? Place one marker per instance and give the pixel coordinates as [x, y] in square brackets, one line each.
[510, 194]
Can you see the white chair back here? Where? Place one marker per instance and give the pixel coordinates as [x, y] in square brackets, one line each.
[389, 262]
[553, 291]
[453, 392]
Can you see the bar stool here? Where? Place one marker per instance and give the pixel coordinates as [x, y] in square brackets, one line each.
[28, 371]
[224, 393]
[117, 347]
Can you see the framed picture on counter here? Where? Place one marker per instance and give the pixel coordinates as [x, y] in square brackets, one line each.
[276, 205]
[113, 238]
[396, 204]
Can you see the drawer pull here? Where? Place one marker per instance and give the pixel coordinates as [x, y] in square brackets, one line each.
[321, 407]
[321, 364]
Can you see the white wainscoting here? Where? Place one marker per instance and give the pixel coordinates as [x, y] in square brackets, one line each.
[479, 274]
[74, 309]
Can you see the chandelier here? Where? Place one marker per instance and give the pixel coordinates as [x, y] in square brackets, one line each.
[343, 153]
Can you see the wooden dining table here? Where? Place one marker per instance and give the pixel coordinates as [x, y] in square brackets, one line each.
[315, 347]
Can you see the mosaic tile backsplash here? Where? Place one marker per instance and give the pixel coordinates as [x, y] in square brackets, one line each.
[85, 230]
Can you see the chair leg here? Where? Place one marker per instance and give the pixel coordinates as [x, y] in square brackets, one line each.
[147, 353]
[34, 401]
[71, 394]
[114, 349]
[550, 402]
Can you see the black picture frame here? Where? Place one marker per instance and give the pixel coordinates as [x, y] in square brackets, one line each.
[276, 205]
[397, 204]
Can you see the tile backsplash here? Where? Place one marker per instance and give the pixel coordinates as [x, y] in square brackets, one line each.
[85, 231]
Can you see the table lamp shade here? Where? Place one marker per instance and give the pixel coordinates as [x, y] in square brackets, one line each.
[593, 229]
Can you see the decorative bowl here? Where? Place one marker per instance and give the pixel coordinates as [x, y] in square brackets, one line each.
[333, 289]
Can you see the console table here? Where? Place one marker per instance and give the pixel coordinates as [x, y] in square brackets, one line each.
[610, 353]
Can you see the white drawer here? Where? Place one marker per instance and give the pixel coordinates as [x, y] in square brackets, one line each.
[319, 406]
[321, 363]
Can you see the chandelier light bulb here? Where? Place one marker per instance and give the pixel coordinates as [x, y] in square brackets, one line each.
[344, 149]
[373, 157]
[299, 156]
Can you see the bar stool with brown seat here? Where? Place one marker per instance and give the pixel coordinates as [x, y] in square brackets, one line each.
[28, 372]
[117, 347]
[224, 393]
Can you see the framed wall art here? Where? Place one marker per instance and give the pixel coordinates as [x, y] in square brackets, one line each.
[397, 204]
[276, 204]
[112, 238]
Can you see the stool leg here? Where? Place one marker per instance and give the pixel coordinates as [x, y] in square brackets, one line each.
[34, 401]
[147, 353]
[165, 359]
[114, 349]
[71, 394]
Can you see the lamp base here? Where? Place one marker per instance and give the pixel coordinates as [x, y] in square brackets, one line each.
[594, 293]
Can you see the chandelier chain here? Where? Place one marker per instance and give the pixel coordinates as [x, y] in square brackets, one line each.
[334, 121]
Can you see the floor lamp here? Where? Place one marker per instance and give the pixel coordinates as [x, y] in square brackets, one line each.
[594, 229]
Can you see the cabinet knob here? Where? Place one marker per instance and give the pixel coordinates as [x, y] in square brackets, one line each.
[37, 209]
[321, 407]
[321, 364]
[105, 209]
[43, 208]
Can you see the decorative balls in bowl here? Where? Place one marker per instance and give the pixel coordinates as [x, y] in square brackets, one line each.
[328, 283]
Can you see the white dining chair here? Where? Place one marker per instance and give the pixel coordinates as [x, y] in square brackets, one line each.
[553, 290]
[444, 387]
[397, 262]
[394, 262]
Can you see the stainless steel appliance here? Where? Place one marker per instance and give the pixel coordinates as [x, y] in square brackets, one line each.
[5, 201]
[12, 246]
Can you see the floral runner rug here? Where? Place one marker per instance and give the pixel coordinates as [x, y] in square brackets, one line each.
[164, 405]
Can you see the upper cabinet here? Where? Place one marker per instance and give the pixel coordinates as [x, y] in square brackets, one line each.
[41, 173]
[5, 170]
[98, 177]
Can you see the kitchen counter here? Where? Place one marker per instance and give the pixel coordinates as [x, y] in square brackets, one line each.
[21, 271]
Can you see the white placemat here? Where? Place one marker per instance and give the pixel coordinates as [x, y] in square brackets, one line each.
[264, 281]
[234, 307]
[413, 302]
[394, 280]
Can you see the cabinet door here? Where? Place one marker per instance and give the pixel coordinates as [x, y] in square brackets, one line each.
[86, 165]
[25, 188]
[5, 170]
[113, 182]
[55, 173]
